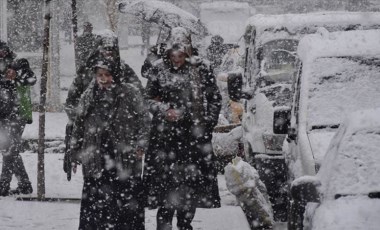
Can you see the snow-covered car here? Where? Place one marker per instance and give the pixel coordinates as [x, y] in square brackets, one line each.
[345, 192]
[271, 64]
[339, 74]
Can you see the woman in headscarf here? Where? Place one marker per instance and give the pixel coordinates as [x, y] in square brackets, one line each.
[109, 139]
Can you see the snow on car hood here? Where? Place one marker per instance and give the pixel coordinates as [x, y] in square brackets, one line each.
[348, 213]
[319, 142]
[351, 164]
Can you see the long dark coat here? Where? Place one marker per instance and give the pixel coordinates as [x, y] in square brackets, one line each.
[126, 128]
[180, 159]
[110, 127]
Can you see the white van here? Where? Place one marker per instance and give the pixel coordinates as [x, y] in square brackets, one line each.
[270, 66]
[339, 74]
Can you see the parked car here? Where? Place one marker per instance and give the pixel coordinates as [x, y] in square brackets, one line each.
[338, 74]
[345, 192]
[271, 64]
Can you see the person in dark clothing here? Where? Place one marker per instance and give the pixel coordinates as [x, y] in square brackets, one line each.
[216, 51]
[85, 45]
[108, 48]
[185, 103]
[157, 52]
[16, 77]
[109, 139]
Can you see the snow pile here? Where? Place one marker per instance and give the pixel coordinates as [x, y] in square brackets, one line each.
[347, 43]
[226, 144]
[295, 23]
[243, 181]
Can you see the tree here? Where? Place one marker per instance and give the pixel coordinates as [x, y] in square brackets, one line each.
[112, 13]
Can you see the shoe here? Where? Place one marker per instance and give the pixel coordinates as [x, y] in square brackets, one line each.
[22, 188]
[4, 192]
[4, 189]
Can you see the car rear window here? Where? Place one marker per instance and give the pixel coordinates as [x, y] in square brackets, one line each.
[341, 85]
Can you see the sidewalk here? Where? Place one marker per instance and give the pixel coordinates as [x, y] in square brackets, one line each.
[35, 215]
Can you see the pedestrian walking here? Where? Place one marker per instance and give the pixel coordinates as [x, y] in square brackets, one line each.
[86, 44]
[107, 48]
[157, 52]
[16, 77]
[109, 139]
[185, 103]
[216, 51]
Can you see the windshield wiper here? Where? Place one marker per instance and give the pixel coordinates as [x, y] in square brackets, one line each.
[375, 195]
[314, 127]
[372, 195]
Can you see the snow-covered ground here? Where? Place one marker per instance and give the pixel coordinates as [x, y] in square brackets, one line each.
[65, 215]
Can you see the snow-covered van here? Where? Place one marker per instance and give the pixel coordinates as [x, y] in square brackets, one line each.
[271, 64]
[339, 74]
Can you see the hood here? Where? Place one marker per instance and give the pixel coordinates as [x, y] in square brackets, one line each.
[357, 212]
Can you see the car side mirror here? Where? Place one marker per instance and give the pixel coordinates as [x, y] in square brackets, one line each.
[235, 87]
[281, 121]
[305, 189]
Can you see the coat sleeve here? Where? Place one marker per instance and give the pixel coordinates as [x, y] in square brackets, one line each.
[77, 134]
[213, 97]
[153, 93]
[25, 75]
[75, 92]
[141, 119]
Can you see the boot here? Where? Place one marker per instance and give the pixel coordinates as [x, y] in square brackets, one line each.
[4, 189]
[23, 188]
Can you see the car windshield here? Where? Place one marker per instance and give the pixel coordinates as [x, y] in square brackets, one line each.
[278, 56]
[341, 85]
[278, 94]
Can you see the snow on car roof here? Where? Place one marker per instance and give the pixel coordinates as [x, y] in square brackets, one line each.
[294, 22]
[224, 5]
[347, 43]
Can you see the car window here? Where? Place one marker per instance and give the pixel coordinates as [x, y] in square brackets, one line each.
[341, 85]
[279, 94]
